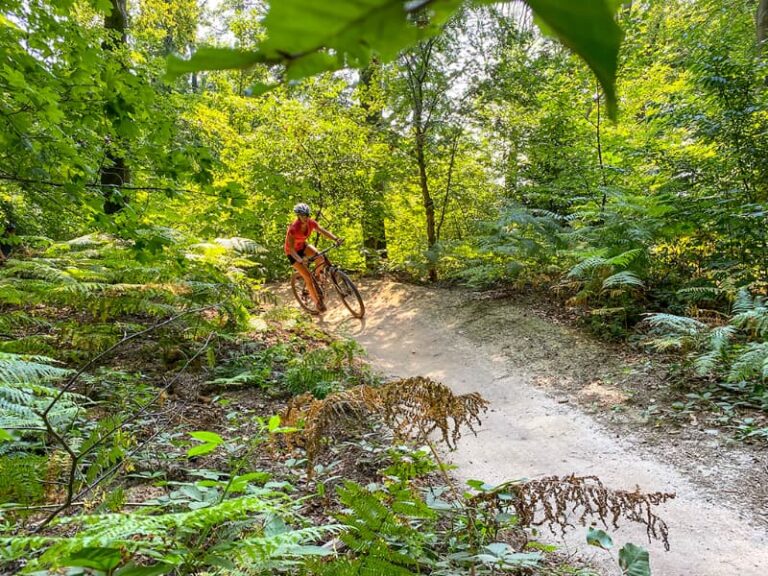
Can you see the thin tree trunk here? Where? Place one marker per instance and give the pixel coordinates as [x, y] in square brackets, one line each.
[429, 204]
[451, 164]
[418, 70]
[374, 231]
[762, 25]
[600, 152]
[115, 173]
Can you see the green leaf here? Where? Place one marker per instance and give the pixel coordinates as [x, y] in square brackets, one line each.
[352, 29]
[6, 436]
[104, 559]
[634, 560]
[212, 59]
[260, 88]
[274, 423]
[600, 539]
[587, 27]
[211, 442]
[310, 37]
[204, 436]
[240, 483]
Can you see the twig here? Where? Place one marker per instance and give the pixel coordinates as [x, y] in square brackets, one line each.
[76, 458]
[109, 350]
[150, 402]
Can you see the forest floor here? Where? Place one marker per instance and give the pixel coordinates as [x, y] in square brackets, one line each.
[562, 403]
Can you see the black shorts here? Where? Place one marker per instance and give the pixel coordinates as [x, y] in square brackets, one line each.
[291, 259]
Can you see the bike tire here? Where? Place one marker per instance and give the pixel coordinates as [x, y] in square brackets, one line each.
[349, 293]
[301, 293]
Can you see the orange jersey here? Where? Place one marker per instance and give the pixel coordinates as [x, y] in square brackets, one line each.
[299, 232]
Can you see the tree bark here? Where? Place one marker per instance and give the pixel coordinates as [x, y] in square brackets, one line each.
[429, 204]
[762, 25]
[115, 173]
[423, 106]
[374, 231]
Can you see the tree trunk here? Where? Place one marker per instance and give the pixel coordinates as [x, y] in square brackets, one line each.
[374, 231]
[114, 174]
[429, 204]
[423, 106]
[762, 25]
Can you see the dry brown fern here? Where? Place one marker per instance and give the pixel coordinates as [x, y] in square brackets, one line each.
[412, 407]
[555, 501]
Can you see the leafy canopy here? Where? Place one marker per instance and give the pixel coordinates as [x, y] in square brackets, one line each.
[309, 38]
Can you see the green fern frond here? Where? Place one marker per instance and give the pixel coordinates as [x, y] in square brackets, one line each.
[241, 245]
[94, 240]
[20, 319]
[20, 370]
[752, 315]
[36, 270]
[147, 533]
[697, 293]
[11, 295]
[587, 266]
[744, 302]
[24, 393]
[29, 345]
[291, 544]
[720, 337]
[626, 258]
[678, 325]
[624, 279]
[751, 363]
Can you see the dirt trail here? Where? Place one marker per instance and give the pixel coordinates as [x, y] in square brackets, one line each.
[528, 433]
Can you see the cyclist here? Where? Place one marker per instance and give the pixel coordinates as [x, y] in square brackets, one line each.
[297, 249]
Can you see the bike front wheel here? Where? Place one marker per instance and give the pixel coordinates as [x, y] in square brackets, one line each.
[349, 293]
[302, 294]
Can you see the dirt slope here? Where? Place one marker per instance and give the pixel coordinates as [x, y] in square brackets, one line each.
[503, 351]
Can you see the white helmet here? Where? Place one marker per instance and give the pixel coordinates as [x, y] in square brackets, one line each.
[302, 209]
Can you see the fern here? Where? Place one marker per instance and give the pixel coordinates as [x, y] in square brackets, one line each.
[751, 363]
[737, 351]
[587, 266]
[751, 314]
[20, 476]
[25, 393]
[37, 270]
[624, 259]
[719, 340]
[623, 279]
[384, 536]
[697, 293]
[233, 528]
[676, 332]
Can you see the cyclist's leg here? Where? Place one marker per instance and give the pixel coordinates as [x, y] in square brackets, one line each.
[319, 262]
[310, 284]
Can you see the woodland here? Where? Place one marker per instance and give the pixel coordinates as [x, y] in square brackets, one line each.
[163, 411]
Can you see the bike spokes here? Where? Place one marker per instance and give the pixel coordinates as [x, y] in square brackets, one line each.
[348, 293]
[303, 295]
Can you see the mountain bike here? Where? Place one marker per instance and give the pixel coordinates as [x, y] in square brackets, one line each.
[329, 275]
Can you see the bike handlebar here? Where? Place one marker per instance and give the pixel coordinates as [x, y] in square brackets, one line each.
[323, 252]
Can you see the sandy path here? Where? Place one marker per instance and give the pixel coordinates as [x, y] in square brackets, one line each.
[527, 434]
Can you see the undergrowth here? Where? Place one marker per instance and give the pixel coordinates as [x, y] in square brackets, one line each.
[144, 442]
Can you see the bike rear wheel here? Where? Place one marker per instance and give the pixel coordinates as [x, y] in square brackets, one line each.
[302, 294]
[348, 293]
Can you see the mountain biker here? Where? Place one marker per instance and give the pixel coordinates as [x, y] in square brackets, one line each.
[297, 249]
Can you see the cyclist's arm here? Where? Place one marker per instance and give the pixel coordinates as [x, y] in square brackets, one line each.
[329, 235]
